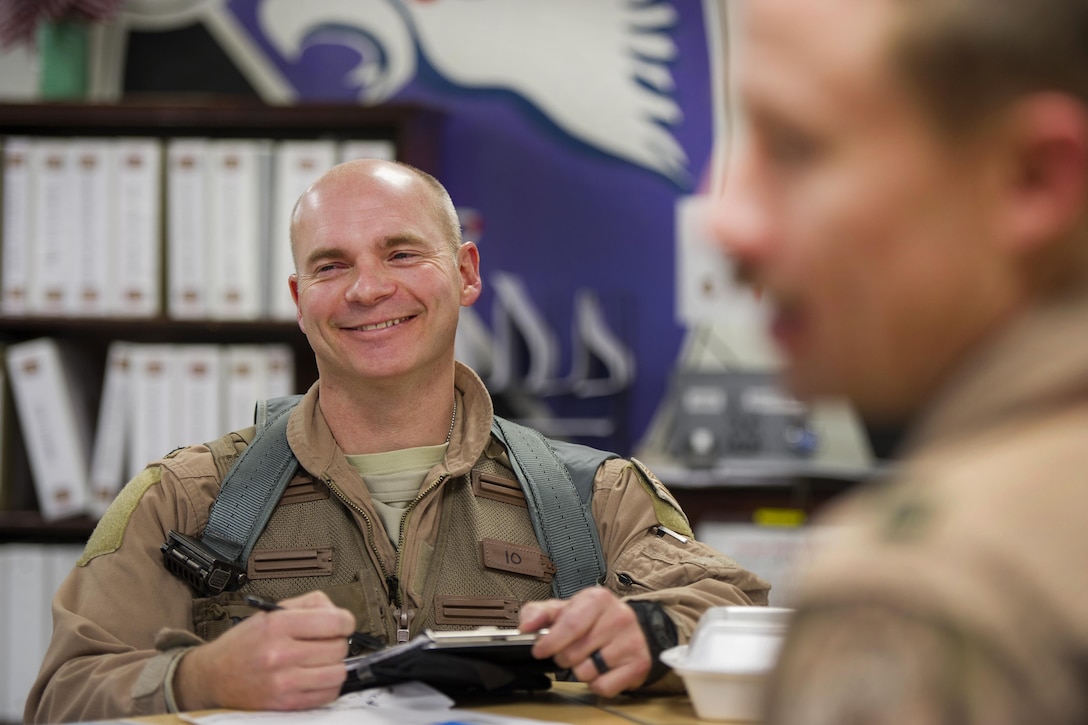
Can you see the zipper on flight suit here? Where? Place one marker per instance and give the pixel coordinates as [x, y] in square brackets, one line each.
[402, 616]
[390, 579]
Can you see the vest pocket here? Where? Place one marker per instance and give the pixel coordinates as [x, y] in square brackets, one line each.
[284, 563]
[497, 488]
[303, 488]
[476, 611]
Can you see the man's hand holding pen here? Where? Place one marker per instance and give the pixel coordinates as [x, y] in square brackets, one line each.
[288, 656]
[358, 643]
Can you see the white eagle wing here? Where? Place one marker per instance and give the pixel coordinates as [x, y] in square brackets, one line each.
[597, 68]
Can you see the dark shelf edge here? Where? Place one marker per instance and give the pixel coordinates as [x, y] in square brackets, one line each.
[29, 526]
[206, 112]
[125, 323]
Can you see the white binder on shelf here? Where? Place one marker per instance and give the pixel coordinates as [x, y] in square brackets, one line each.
[52, 385]
[297, 165]
[241, 187]
[92, 261]
[244, 374]
[139, 226]
[200, 384]
[154, 401]
[18, 226]
[7, 655]
[279, 371]
[367, 149]
[108, 472]
[53, 244]
[26, 626]
[187, 247]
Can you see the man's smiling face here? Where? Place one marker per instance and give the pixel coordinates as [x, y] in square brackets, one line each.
[378, 287]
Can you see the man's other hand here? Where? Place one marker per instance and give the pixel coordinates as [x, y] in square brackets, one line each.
[590, 630]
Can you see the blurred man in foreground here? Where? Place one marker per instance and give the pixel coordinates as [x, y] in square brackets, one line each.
[911, 198]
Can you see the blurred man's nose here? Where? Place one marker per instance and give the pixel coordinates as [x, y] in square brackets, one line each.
[740, 222]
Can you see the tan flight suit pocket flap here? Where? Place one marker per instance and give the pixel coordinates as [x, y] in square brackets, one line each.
[505, 490]
[303, 488]
[284, 563]
[476, 611]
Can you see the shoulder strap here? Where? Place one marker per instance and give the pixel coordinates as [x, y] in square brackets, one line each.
[268, 409]
[557, 479]
[253, 486]
[558, 494]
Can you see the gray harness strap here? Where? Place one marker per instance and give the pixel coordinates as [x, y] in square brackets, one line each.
[563, 523]
[256, 483]
[557, 479]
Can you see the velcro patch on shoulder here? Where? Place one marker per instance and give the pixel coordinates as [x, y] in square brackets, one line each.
[110, 531]
[666, 508]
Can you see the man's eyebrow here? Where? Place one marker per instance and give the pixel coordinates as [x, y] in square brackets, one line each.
[324, 254]
[401, 240]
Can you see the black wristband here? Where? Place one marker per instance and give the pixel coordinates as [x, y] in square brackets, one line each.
[660, 633]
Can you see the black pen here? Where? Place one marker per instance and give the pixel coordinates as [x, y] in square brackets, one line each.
[357, 643]
[265, 605]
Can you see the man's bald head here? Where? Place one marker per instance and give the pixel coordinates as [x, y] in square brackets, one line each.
[394, 173]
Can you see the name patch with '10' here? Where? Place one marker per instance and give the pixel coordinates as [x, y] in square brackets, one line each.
[517, 558]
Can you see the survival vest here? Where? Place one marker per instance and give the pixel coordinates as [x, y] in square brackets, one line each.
[556, 478]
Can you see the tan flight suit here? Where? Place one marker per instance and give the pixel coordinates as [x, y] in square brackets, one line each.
[960, 586]
[122, 621]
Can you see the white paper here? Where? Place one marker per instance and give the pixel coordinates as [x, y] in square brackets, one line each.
[407, 703]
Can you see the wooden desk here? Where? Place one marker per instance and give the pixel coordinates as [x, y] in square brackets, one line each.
[566, 702]
[572, 702]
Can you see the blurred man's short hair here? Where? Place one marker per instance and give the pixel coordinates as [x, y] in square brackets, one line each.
[968, 58]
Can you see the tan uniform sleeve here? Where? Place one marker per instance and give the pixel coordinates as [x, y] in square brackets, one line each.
[686, 577]
[903, 669]
[106, 659]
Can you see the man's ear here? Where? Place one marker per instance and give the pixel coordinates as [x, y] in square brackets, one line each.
[1046, 136]
[468, 265]
[292, 282]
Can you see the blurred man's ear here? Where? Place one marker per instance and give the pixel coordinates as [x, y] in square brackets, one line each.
[1043, 196]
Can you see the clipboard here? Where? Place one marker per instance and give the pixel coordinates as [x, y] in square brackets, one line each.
[485, 660]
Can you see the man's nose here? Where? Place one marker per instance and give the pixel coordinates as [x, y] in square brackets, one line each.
[369, 285]
[740, 222]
